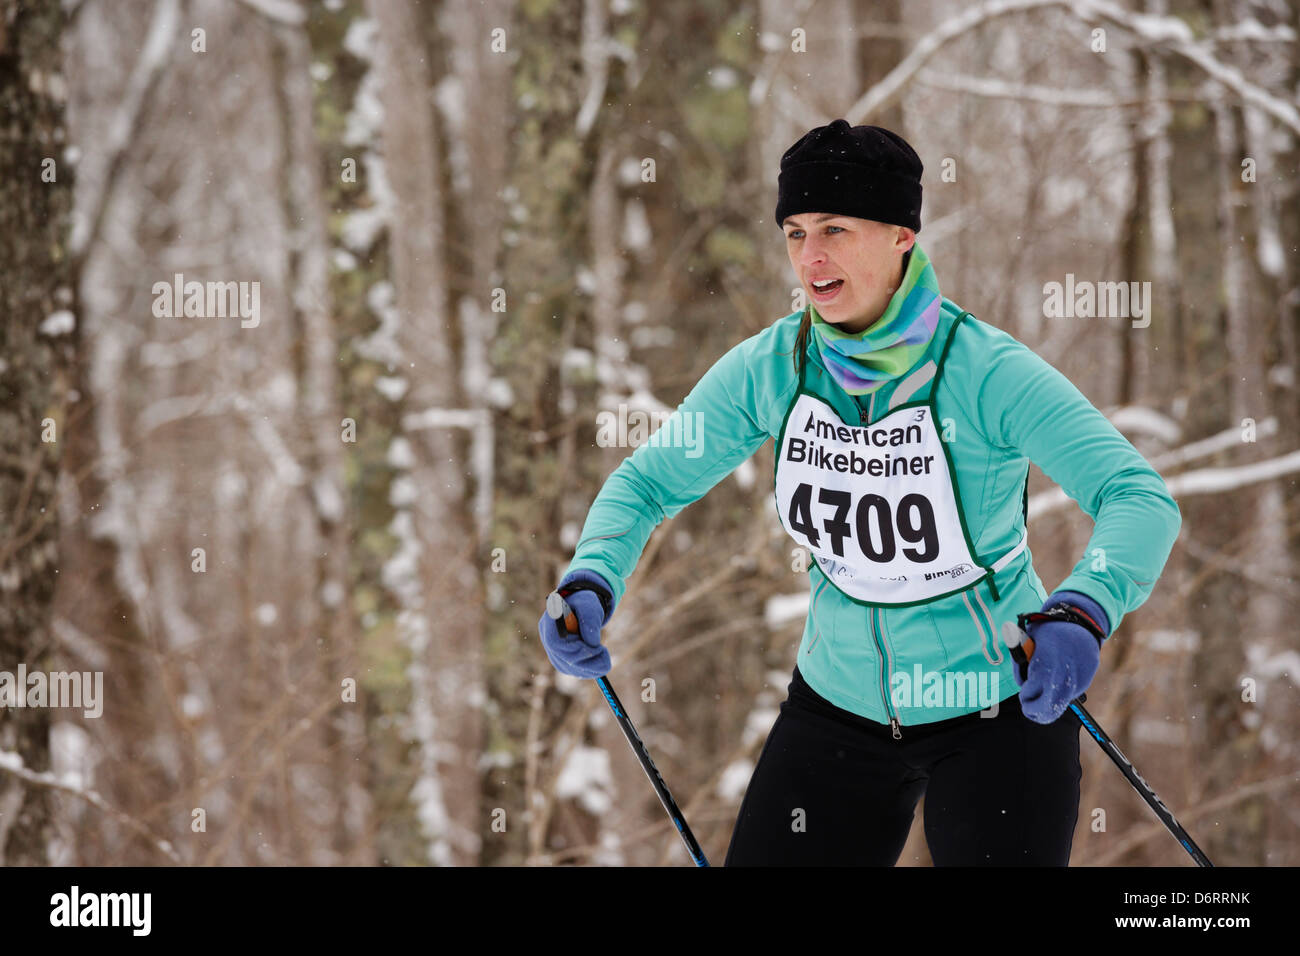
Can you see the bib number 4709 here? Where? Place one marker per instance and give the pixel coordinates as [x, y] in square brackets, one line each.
[912, 520]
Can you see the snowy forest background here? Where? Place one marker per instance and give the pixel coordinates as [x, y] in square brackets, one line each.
[459, 253]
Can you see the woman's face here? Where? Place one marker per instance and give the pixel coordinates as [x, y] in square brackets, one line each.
[865, 258]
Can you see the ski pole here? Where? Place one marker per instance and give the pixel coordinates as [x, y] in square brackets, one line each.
[1022, 649]
[562, 614]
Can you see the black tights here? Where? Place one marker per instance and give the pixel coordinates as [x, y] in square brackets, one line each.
[999, 791]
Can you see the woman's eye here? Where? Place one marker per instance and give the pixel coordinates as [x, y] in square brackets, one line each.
[829, 228]
[794, 234]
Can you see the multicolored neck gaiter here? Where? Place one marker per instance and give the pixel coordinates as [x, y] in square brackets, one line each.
[863, 361]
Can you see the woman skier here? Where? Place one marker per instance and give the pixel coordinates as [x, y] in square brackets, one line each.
[904, 429]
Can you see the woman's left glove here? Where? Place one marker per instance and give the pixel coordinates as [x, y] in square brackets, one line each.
[1066, 658]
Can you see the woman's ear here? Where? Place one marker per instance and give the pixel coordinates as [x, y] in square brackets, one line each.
[906, 239]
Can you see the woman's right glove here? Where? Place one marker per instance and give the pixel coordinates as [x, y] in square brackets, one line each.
[592, 601]
[1066, 658]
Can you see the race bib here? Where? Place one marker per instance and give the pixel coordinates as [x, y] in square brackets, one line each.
[873, 503]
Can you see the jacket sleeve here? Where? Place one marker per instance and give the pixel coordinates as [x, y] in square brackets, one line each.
[717, 426]
[1026, 405]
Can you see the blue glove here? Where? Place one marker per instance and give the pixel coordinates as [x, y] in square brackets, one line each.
[1066, 658]
[581, 654]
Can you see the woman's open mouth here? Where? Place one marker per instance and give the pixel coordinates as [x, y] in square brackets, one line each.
[823, 290]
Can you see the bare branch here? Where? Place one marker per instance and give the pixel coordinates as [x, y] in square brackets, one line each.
[281, 11]
[12, 763]
[1228, 438]
[995, 88]
[126, 123]
[1170, 32]
[1207, 480]
[595, 63]
[1153, 830]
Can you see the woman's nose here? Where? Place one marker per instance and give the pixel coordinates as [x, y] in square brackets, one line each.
[811, 252]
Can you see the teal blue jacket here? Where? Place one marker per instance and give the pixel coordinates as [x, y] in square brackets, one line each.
[1001, 406]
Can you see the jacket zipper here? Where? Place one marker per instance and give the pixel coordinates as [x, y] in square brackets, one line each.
[894, 725]
[993, 631]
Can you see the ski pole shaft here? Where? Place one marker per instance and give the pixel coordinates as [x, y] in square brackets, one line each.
[1022, 649]
[1140, 785]
[566, 622]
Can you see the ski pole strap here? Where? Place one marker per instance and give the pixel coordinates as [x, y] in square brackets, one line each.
[606, 599]
[1063, 612]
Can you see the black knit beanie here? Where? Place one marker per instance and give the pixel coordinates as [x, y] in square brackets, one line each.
[862, 171]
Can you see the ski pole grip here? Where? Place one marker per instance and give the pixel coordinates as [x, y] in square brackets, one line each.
[1018, 642]
[558, 609]
[1021, 646]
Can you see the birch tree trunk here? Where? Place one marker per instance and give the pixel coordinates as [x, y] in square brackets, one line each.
[438, 580]
[1247, 221]
[202, 504]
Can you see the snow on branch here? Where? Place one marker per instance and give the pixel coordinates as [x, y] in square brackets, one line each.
[1142, 419]
[446, 418]
[595, 64]
[1203, 481]
[781, 609]
[125, 123]
[1228, 438]
[1228, 76]
[1251, 29]
[995, 88]
[282, 11]
[286, 467]
[1208, 480]
[12, 763]
[890, 87]
[1168, 31]
[479, 423]
[1178, 35]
